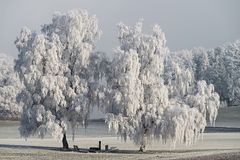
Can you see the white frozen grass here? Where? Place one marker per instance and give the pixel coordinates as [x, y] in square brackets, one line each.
[211, 141]
[213, 145]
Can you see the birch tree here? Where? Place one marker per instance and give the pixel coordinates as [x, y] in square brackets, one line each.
[54, 67]
[142, 105]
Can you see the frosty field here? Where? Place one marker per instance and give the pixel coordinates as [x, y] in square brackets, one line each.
[213, 145]
[85, 82]
[221, 144]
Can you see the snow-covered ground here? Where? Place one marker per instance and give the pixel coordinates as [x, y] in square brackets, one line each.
[228, 117]
[213, 145]
[220, 144]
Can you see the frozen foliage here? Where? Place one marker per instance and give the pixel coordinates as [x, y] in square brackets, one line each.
[148, 93]
[224, 71]
[219, 66]
[183, 84]
[9, 87]
[56, 67]
[145, 107]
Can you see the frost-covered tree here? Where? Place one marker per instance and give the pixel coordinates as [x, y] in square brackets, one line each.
[201, 60]
[188, 70]
[206, 100]
[145, 107]
[219, 66]
[179, 73]
[224, 71]
[9, 88]
[54, 65]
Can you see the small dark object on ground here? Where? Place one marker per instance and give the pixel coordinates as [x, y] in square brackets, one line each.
[106, 148]
[75, 148]
[99, 145]
[94, 148]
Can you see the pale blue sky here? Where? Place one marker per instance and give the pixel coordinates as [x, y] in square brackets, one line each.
[186, 23]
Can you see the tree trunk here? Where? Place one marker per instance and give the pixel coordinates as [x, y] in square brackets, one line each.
[143, 144]
[143, 140]
[64, 142]
[142, 148]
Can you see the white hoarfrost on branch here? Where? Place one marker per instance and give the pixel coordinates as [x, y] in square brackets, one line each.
[219, 66]
[9, 88]
[224, 71]
[148, 93]
[142, 105]
[54, 67]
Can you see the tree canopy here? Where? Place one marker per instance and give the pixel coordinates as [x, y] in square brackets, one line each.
[9, 88]
[54, 67]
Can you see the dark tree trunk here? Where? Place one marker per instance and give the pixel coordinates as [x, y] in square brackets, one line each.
[142, 148]
[143, 141]
[64, 142]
